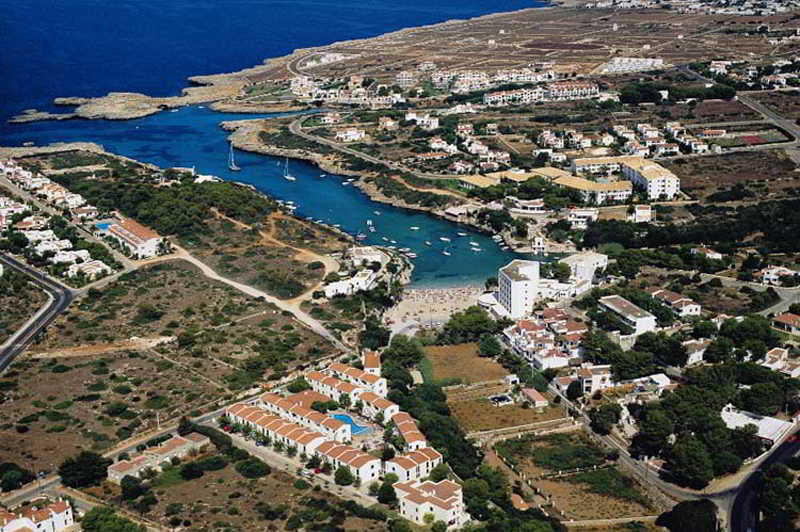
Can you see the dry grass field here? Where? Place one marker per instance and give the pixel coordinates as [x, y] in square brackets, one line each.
[702, 175]
[462, 362]
[606, 494]
[479, 414]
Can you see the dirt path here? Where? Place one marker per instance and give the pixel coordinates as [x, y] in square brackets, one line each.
[289, 306]
[101, 349]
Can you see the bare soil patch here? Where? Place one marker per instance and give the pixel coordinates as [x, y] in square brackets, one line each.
[462, 362]
[479, 414]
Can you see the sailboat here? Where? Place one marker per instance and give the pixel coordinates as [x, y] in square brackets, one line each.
[231, 161]
[286, 175]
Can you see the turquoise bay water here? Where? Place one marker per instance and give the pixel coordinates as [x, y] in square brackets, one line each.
[91, 47]
[192, 137]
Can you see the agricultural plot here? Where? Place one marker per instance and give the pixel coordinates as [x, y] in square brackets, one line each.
[479, 414]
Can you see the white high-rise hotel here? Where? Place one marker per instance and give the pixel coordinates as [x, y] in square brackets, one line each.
[518, 287]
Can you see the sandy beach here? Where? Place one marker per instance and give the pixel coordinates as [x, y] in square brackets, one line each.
[426, 305]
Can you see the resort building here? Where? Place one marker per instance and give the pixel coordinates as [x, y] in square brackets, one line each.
[359, 377]
[518, 287]
[306, 417]
[54, 517]
[581, 218]
[595, 191]
[137, 239]
[658, 182]
[362, 465]
[408, 430]
[635, 317]
[373, 404]
[372, 363]
[153, 458]
[414, 465]
[443, 500]
[654, 179]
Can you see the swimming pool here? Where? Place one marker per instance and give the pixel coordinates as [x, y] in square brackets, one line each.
[102, 226]
[355, 428]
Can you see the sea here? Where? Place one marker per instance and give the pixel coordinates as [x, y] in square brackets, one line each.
[91, 47]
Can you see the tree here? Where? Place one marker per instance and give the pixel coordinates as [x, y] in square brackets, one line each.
[298, 385]
[603, 418]
[655, 427]
[439, 526]
[763, 398]
[697, 516]
[343, 476]
[345, 401]
[404, 351]
[191, 471]
[253, 468]
[86, 469]
[386, 494]
[104, 519]
[374, 335]
[131, 488]
[489, 346]
[185, 426]
[690, 463]
[574, 390]
[11, 480]
[439, 472]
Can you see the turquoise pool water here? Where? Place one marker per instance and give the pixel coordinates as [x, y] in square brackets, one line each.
[355, 428]
[102, 226]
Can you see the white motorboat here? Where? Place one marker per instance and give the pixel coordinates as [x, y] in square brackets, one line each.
[414, 228]
[446, 253]
[444, 239]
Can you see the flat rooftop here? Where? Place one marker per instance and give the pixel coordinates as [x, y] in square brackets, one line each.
[518, 270]
[622, 306]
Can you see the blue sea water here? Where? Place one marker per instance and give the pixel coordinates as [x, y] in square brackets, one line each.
[91, 47]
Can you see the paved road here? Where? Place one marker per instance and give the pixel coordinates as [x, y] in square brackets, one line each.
[741, 514]
[59, 299]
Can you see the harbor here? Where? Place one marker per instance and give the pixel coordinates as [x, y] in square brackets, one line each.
[191, 136]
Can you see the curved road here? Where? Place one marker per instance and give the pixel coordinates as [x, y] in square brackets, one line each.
[60, 298]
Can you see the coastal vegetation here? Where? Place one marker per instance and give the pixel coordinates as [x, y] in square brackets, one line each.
[182, 208]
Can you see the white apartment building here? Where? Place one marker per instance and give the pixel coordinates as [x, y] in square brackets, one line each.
[635, 317]
[641, 214]
[657, 181]
[140, 241]
[585, 264]
[518, 287]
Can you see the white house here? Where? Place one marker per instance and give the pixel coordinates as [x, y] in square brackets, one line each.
[90, 269]
[443, 500]
[51, 518]
[682, 306]
[350, 135]
[414, 465]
